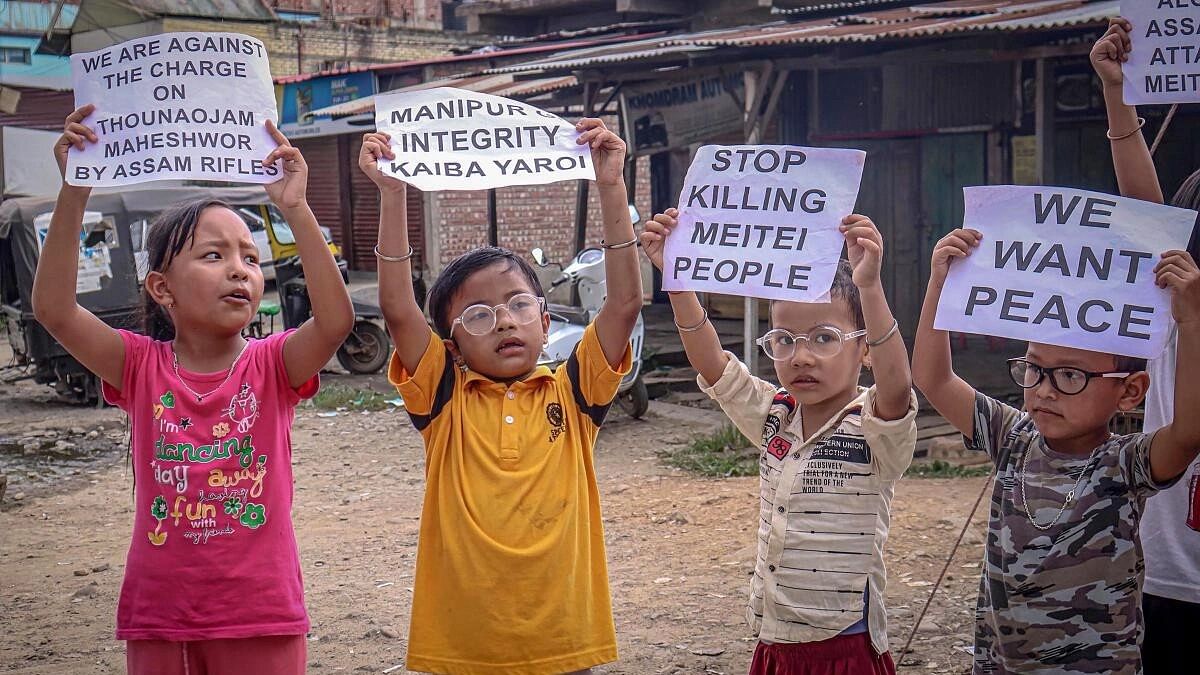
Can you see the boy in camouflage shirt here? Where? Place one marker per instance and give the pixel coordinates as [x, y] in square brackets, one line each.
[1061, 585]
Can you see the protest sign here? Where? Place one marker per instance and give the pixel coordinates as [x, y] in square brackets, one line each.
[762, 221]
[453, 139]
[1164, 66]
[1064, 267]
[176, 105]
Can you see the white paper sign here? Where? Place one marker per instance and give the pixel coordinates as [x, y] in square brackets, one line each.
[762, 221]
[1164, 66]
[176, 105]
[1064, 267]
[452, 139]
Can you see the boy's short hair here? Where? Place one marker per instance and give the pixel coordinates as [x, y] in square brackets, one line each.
[1129, 364]
[844, 288]
[441, 294]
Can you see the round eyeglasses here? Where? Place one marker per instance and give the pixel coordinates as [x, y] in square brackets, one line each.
[824, 341]
[524, 308]
[1066, 379]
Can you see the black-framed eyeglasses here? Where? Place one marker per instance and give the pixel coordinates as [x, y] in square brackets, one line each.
[524, 308]
[1066, 379]
[780, 344]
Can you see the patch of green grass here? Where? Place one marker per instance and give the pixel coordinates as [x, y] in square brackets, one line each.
[722, 454]
[943, 469]
[342, 397]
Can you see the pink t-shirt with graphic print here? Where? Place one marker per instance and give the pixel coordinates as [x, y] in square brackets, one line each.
[214, 553]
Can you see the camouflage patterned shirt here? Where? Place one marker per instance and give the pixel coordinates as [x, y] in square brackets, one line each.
[1066, 599]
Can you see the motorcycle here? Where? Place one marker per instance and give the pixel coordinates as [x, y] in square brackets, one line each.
[586, 278]
[367, 347]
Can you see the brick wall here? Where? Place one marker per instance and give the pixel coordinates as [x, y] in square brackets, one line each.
[425, 14]
[527, 216]
[306, 48]
[312, 47]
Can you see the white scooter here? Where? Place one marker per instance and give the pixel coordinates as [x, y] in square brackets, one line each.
[586, 276]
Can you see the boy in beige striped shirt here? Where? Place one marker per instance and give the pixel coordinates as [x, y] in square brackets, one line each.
[831, 452]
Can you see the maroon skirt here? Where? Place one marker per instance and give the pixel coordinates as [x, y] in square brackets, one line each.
[841, 655]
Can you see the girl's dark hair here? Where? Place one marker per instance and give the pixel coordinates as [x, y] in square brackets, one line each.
[441, 294]
[1188, 197]
[172, 231]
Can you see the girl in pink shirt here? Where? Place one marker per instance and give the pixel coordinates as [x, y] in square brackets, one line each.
[212, 580]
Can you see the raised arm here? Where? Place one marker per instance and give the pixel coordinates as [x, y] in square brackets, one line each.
[1176, 445]
[889, 358]
[623, 301]
[405, 320]
[700, 340]
[932, 364]
[1134, 166]
[315, 342]
[92, 342]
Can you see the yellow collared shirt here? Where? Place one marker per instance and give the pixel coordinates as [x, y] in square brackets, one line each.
[511, 574]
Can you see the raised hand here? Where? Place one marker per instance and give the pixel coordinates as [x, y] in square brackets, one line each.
[608, 150]
[290, 191]
[75, 134]
[1111, 50]
[654, 235]
[864, 247]
[957, 244]
[1177, 272]
[377, 146]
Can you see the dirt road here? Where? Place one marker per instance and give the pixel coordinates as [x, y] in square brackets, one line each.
[680, 547]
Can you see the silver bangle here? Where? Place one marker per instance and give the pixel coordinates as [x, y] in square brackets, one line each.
[392, 258]
[624, 244]
[698, 326]
[1141, 122]
[890, 333]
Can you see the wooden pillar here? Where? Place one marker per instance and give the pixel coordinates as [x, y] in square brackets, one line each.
[581, 195]
[493, 234]
[754, 81]
[1044, 121]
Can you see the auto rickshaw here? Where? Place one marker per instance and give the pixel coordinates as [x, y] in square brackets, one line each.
[367, 347]
[113, 264]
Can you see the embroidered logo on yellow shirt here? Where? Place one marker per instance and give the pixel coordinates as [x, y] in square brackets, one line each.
[558, 423]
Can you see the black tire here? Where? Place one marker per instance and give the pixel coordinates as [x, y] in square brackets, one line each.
[365, 350]
[636, 401]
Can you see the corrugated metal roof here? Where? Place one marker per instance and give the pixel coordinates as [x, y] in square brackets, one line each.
[498, 85]
[251, 10]
[917, 21]
[573, 61]
[100, 14]
[17, 16]
[481, 55]
[942, 18]
[954, 17]
[843, 5]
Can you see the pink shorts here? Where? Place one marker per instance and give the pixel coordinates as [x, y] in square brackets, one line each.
[270, 655]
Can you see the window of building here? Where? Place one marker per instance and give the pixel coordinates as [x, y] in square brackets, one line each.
[15, 55]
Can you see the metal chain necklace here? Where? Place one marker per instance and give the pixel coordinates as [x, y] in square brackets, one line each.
[228, 374]
[1087, 468]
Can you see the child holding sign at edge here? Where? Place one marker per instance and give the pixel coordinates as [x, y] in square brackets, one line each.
[511, 574]
[1170, 527]
[212, 580]
[1061, 584]
[831, 452]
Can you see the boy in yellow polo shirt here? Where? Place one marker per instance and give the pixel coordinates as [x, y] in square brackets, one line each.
[511, 574]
